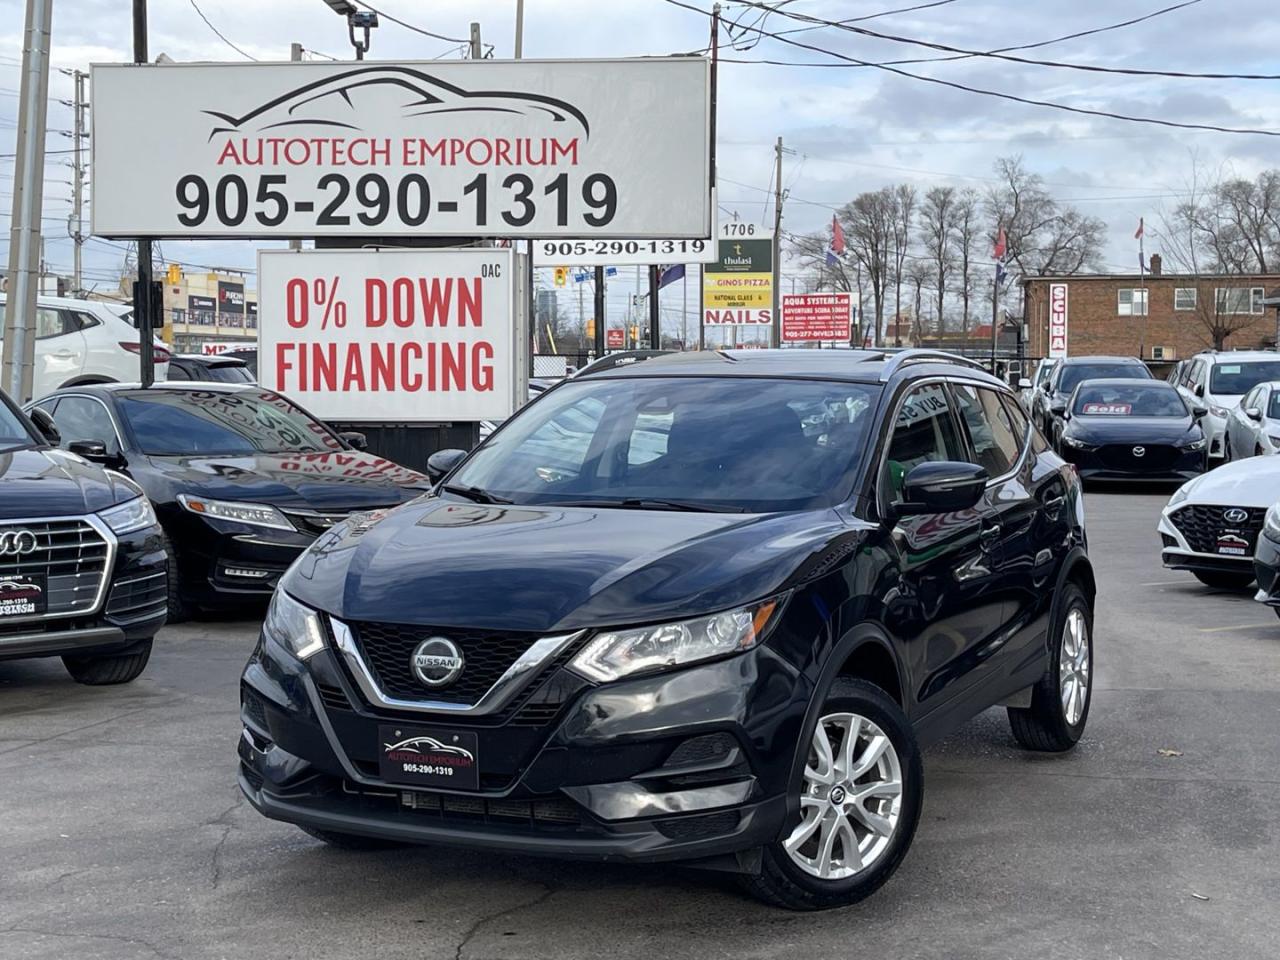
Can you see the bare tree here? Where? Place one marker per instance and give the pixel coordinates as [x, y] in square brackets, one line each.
[904, 203]
[1043, 238]
[937, 215]
[917, 276]
[967, 235]
[869, 232]
[1218, 315]
[810, 250]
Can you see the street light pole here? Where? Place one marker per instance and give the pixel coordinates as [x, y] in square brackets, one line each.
[142, 305]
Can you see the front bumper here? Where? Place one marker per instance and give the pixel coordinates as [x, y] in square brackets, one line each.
[1215, 431]
[666, 767]
[1178, 554]
[1266, 568]
[224, 563]
[1092, 465]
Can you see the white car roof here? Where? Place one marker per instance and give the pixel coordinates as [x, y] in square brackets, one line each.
[1237, 356]
[1254, 482]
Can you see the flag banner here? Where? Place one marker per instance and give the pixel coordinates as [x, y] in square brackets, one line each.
[998, 252]
[1142, 228]
[670, 274]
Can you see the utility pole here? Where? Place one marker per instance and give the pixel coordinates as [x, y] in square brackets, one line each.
[599, 308]
[995, 313]
[295, 56]
[715, 65]
[776, 330]
[77, 178]
[18, 356]
[519, 29]
[475, 42]
[142, 306]
[655, 314]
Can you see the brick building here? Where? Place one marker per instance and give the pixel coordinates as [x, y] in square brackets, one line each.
[1167, 316]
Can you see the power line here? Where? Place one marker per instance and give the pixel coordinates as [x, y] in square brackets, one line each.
[219, 33]
[981, 91]
[415, 29]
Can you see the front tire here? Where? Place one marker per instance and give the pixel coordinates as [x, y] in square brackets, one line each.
[109, 670]
[1060, 701]
[859, 803]
[1220, 580]
[179, 609]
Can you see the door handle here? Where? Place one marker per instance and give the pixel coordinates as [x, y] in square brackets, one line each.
[989, 537]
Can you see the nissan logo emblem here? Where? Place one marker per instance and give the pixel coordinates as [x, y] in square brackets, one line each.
[436, 662]
[16, 543]
[1139, 451]
[1235, 515]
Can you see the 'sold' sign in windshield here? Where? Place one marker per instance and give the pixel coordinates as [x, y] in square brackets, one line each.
[580, 148]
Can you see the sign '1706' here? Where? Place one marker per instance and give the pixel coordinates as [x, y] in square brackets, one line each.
[581, 148]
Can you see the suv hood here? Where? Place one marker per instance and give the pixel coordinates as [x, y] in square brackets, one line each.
[1254, 482]
[45, 482]
[550, 569]
[342, 480]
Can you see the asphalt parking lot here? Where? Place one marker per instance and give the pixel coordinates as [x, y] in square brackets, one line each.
[123, 834]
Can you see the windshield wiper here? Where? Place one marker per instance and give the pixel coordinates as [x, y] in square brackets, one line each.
[475, 494]
[655, 503]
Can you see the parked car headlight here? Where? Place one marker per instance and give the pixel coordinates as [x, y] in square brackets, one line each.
[1274, 439]
[254, 514]
[1272, 525]
[1220, 412]
[293, 626]
[620, 653]
[1197, 444]
[135, 514]
[1078, 444]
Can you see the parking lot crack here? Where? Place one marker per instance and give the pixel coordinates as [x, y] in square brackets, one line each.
[481, 922]
[133, 941]
[224, 821]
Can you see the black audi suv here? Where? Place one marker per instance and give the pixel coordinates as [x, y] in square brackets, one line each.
[1133, 430]
[704, 608]
[82, 562]
[241, 478]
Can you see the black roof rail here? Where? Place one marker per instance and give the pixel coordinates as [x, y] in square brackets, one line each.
[895, 361]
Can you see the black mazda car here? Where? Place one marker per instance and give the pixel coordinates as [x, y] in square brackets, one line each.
[1051, 400]
[705, 608]
[241, 478]
[82, 561]
[1133, 430]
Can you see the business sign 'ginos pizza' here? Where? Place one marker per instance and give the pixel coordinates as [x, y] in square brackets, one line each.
[403, 335]
[565, 148]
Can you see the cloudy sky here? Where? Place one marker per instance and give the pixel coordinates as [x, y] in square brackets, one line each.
[852, 128]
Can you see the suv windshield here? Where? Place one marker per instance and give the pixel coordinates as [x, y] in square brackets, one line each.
[13, 432]
[1228, 379]
[1074, 374]
[698, 443]
[217, 423]
[1107, 400]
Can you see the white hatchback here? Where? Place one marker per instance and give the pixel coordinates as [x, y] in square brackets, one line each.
[86, 341]
[1253, 426]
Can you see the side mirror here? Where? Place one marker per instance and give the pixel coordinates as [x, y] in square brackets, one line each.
[1045, 387]
[941, 487]
[355, 439]
[1199, 390]
[1058, 407]
[1199, 412]
[441, 462]
[48, 429]
[1253, 413]
[1024, 383]
[94, 451]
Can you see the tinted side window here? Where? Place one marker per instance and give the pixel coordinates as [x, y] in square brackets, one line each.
[51, 323]
[924, 430]
[79, 418]
[177, 372]
[83, 321]
[1018, 416]
[995, 442]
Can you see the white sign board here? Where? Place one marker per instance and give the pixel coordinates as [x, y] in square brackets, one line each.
[737, 288]
[1057, 320]
[398, 335]
[496, 148]
[601, 253]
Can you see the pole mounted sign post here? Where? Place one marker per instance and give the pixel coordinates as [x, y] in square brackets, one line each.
[526, 148]
[817, 317]
[737, 290]
[1057, 320]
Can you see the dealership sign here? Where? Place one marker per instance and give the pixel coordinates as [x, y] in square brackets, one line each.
[1057, 320]
[808, 317]
[404, 335]
[564, 148]
[737, 289]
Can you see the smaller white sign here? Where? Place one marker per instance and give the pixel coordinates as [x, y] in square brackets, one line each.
[1057, 320]
[391, 335]
[602, 253]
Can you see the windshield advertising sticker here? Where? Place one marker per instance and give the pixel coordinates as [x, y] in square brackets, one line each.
[527, 148]
[412, 335]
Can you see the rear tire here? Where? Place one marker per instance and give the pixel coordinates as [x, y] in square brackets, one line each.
[349, 841]
[104, 671]
[1060, 701]
[859, 797]
[1224, 581]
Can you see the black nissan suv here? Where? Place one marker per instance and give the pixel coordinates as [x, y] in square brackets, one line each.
[82, 562]
[705, 608]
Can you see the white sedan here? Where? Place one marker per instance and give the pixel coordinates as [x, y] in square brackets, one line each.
[1253, 427]
[1211, 525]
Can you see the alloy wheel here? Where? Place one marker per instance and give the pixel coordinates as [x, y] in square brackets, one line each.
[850, 801]
[1074, 666]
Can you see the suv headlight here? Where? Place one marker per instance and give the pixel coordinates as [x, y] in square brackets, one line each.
[135, 514]
[253, 514]
[620, 653]
[1272, 526]
[293, 626]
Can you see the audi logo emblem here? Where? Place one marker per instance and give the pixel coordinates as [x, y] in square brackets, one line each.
[16, 543]
[1235, 515]
[1139, 451]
